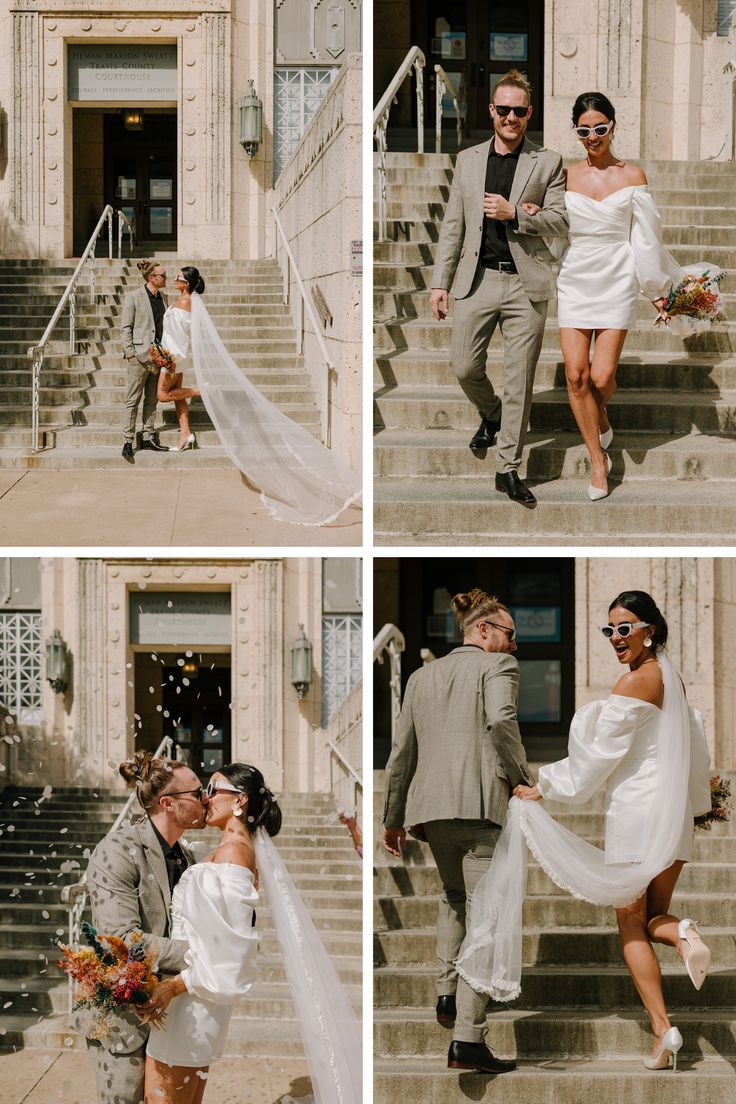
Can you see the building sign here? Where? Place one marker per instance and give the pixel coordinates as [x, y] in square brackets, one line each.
[179, 617]
[121, 73]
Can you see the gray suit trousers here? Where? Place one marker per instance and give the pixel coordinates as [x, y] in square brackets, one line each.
[463, 850]
[141, 382]
[498, 299]
[119, 1076]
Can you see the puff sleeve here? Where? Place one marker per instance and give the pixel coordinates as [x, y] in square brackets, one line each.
[217, 917]
[601, 734]
[656, 269]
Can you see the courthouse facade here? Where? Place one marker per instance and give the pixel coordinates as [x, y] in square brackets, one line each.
[137, 104]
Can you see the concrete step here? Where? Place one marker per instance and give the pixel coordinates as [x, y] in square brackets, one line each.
[573, 1080]
[657, 412]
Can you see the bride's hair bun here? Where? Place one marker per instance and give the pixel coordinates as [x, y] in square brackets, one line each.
[263, 808]
[643, 606]
[193, 279]
[473, 606]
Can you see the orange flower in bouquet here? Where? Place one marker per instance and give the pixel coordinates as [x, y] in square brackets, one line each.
[721, 807]
[108, 974]
[162, 358]
[695, 303]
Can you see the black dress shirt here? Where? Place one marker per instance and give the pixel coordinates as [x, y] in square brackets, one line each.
[176, 862]
[500, 170]
[159, 310]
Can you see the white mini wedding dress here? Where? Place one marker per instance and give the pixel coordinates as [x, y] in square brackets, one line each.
[615, 252]
[177, 336]
[212, 910]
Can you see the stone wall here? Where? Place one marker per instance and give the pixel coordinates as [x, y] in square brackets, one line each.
[318, 198]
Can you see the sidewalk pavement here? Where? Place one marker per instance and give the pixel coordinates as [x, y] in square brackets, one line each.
[211, 507]
[51, 1077]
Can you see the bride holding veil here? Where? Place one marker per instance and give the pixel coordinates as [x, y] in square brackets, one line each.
[213, 912]
[298, 478]
[647, 747]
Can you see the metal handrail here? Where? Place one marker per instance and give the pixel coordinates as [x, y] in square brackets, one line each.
[415, 60]
[302, 303]
[123, 219]
[75, 895]
[350, 771]
[444, 84]
[36, 352]
[391, 640]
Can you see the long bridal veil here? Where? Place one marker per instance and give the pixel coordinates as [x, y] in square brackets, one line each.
[327, 1022]
[299, 479]
[491, 955]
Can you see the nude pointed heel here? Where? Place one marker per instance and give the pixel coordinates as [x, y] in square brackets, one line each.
[596, 493]
[695, 952]
[671, 1043]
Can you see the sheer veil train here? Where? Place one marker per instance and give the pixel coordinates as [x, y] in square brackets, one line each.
[299, 479]
[327, 1023]
[491, 955]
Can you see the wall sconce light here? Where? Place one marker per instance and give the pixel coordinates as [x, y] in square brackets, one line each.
[251, 122]
[301, 663]
[133, 119]
[57, 663]
[190, 669]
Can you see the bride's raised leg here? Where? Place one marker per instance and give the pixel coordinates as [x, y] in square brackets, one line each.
[174, 391]
[173, 1084]
[576, 352]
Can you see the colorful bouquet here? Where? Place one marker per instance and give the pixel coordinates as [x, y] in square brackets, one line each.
[108, 974]
[161, 358]
[695, 303]
[721, 808]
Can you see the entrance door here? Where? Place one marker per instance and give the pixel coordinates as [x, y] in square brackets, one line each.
[140, 177]
[199, 715]
[476, 42]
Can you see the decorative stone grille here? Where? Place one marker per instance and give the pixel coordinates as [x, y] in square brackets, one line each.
[21, 657]
[298, 92]
[342, 660]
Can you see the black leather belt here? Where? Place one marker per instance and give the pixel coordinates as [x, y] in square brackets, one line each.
[502, 266]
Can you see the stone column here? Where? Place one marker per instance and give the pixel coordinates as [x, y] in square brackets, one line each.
[258, 642]
[90, 671]
[216, 115]
[26, 152]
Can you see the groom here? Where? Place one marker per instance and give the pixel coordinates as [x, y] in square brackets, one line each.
[142, 325]
[130, 878]
[497, 259]
[456, 758]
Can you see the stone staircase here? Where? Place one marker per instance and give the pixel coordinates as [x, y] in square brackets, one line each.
[577, 1030]
[674, 415]
[44, 846]
[82, 397]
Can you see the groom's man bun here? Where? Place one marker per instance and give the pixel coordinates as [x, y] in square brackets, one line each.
[474, 606]
[148, 776]
[146, 268]
[514, 79]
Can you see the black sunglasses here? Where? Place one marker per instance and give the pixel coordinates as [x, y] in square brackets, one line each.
[511, 633]
[503, 110]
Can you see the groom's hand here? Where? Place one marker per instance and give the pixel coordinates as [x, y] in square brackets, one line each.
[393, 840]
[498, 208]
[438, 303]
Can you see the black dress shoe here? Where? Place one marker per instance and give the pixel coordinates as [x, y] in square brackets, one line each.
[476, 1056]
[510, 484]
[446, 1009]
[128, 452]
[486, 434]
[153, 444]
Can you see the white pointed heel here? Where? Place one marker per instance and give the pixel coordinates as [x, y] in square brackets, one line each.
[596, 493]
[606, 438]
[670, 1044]
[190, 443]
[695, 952]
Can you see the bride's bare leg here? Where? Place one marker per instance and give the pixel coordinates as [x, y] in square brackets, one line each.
[606, 353]
[638, 952]
[661, 924]
[181, 406]
[174, 391]
[173, 1084]
[576, 351]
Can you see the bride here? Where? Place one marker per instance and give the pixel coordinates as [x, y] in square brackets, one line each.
[213, 911]
[299, 479]
[647, 747]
